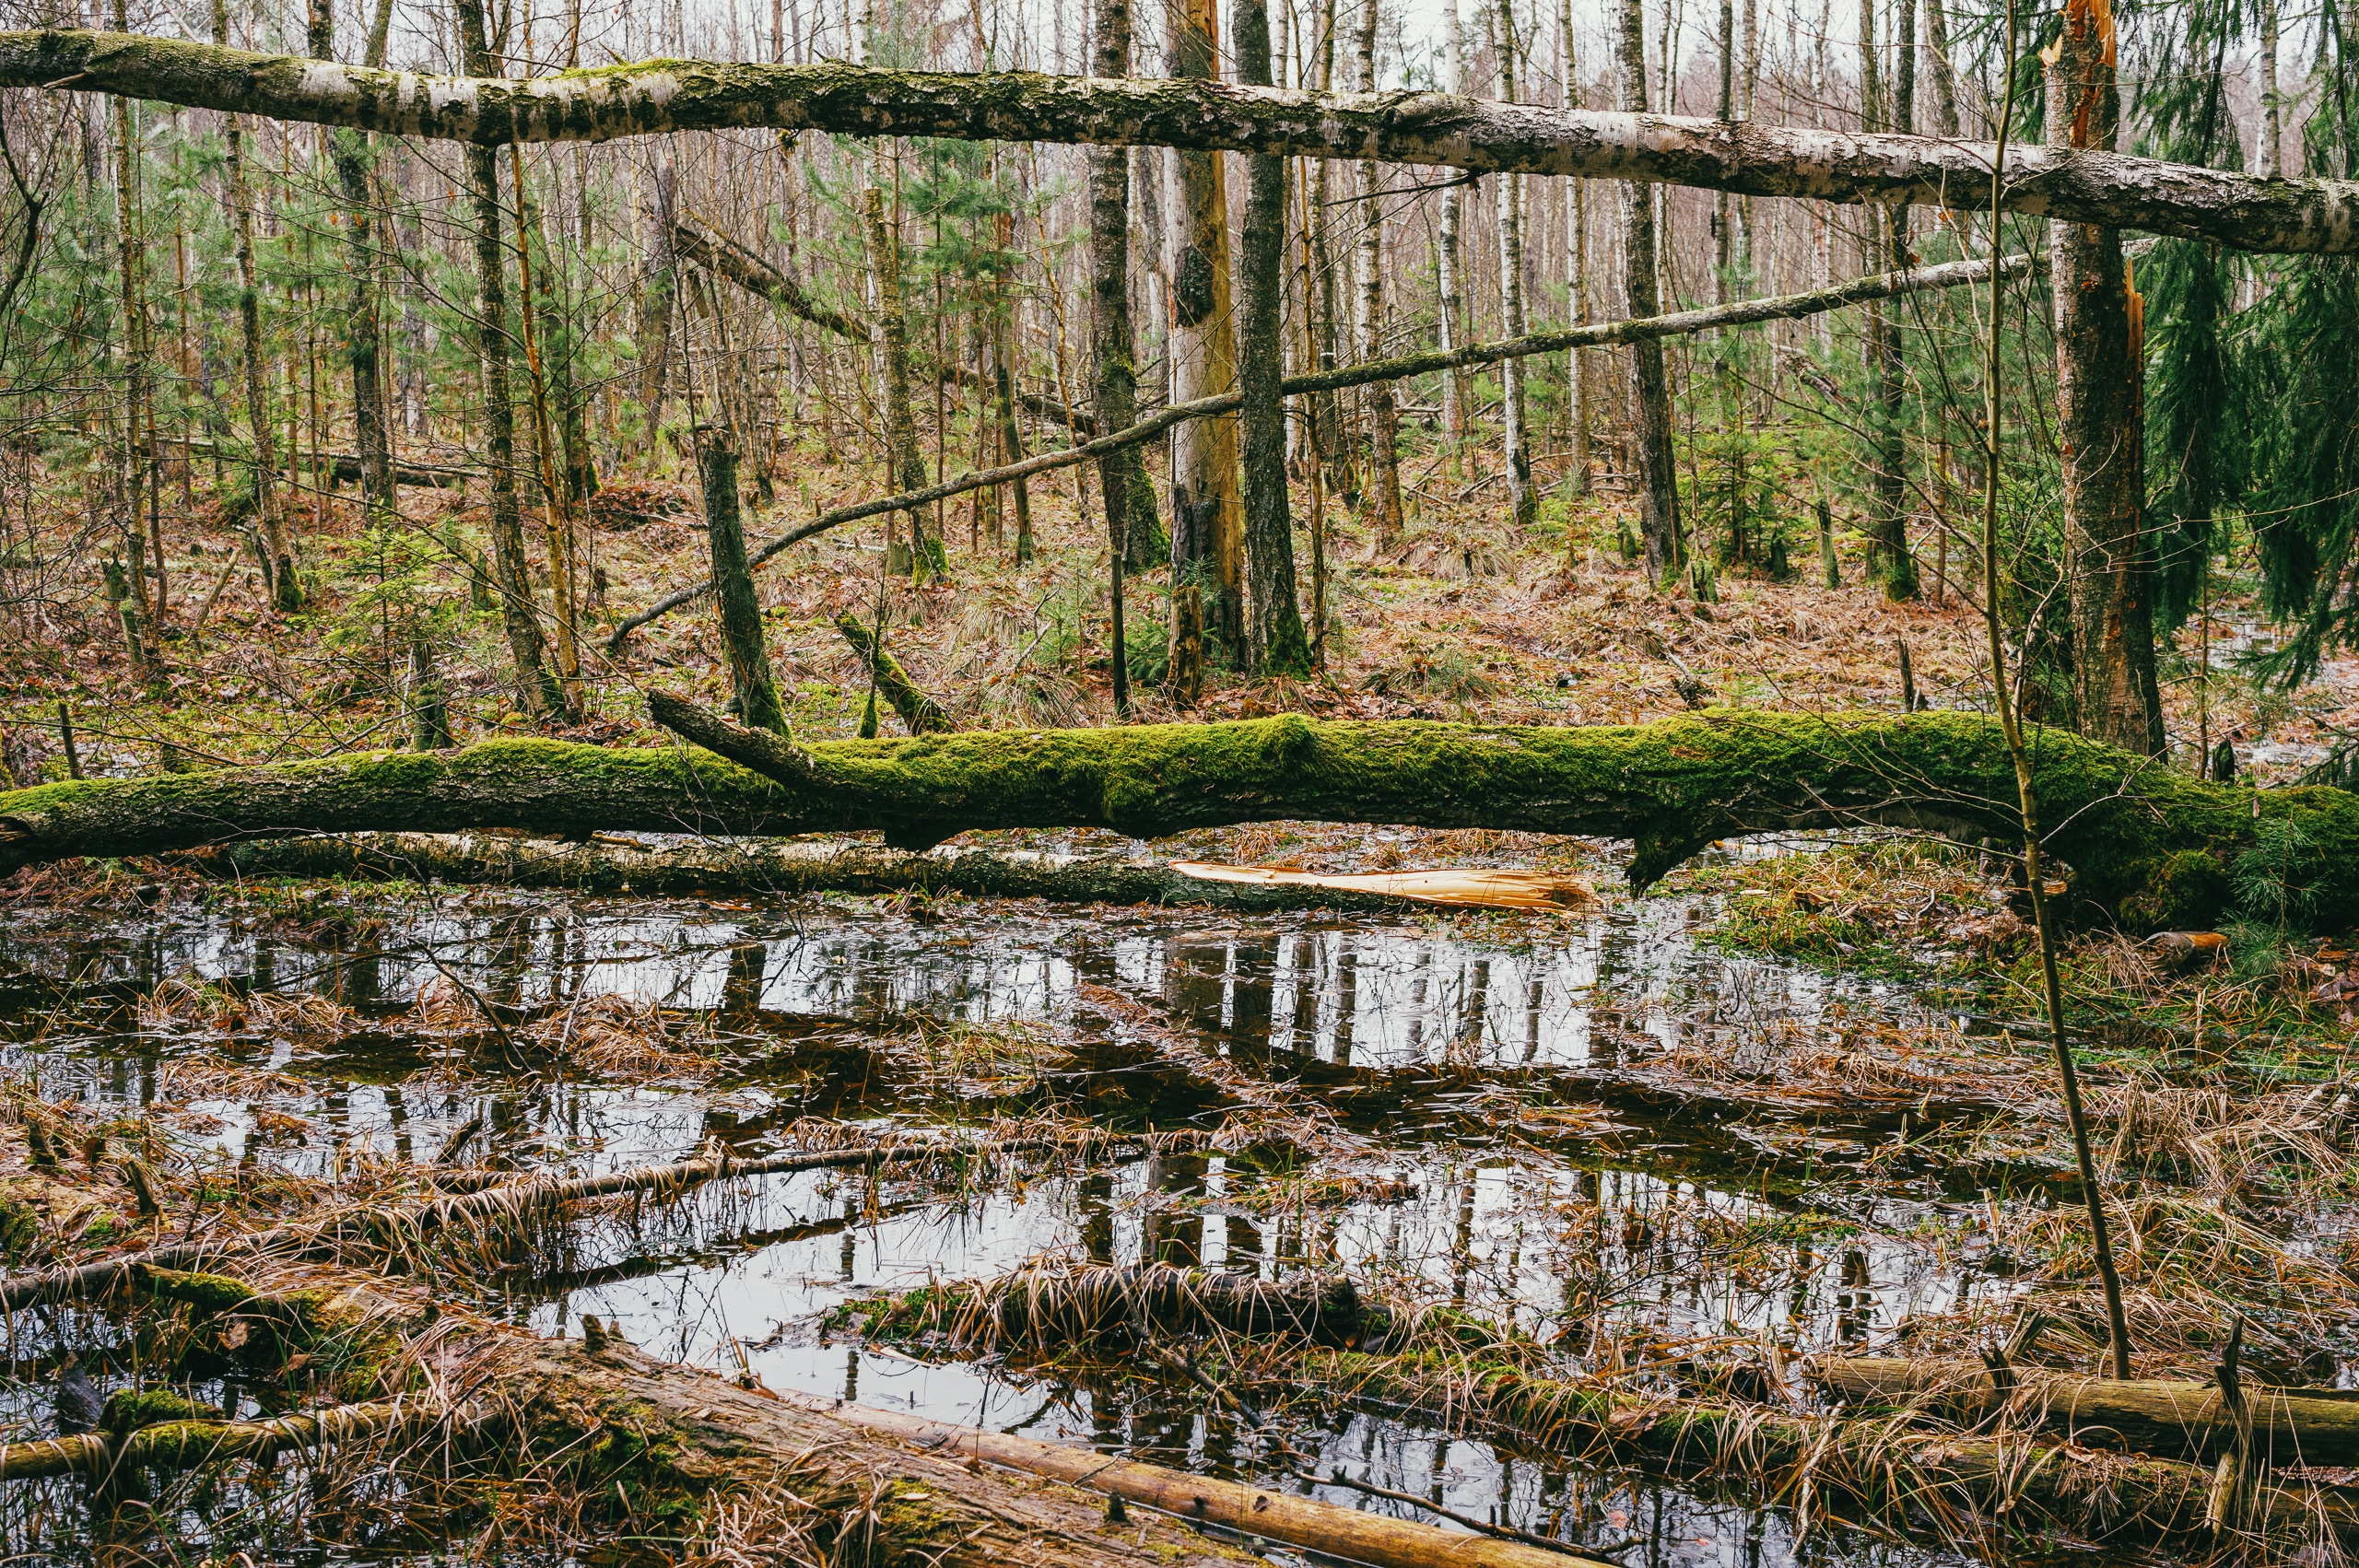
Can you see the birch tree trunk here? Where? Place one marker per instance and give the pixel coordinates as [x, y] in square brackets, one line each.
[1382, 497]
[2117, 697]
[1207, 531]
[1577, 267]
[1275, 640]
[1657, 475]
[1523, 504]
[278, 556]
[511, 568]
[362, 332]
[1453, 206]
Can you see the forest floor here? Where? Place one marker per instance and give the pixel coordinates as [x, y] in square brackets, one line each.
[1797, 1100]
[1461, 620]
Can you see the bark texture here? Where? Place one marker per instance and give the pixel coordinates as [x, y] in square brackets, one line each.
[1657, 475]
[741, 608]
[1207, 525]
[598, 105]
[1274, 634]
[362, 332]
[2098, 409]
[510, 569]
[2143, 843]
[611, 864]
[2174, 1419]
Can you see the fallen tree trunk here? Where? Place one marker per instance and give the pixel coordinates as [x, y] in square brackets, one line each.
[1250, 1511]
[2010, 1475]
[346, 467]
[722, 257]
[1679, 323]
[185, 1445]
[2143, 842]
[651, 97]
[608, 864]
[2174, 1419]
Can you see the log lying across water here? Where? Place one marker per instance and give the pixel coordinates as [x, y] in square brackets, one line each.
[2144, 843]
[2181, 1420]
[608, 864]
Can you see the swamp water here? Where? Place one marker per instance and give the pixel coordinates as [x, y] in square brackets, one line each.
[1563, 1122]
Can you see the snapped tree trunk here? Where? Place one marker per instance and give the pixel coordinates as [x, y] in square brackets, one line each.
[2115, 694]
[740, 607]
[2145, 844]
[920, 713]
[511, 567]
[648, 98]
[1276, 635]
[1658, 473]
[1207, 525]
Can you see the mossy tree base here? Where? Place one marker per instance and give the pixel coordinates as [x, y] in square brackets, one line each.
[2144, 845]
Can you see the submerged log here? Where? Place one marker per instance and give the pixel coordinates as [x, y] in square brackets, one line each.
[2017, 1476]
[2144, 843]
[1251, 1511]
[649, 97]
[186, 1445]
[609, 864]
[2173, 1419]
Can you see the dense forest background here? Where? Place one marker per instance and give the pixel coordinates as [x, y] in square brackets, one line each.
[213, 334]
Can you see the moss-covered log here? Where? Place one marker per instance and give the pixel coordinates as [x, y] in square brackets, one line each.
[2181, 1420]
[607, 864]
[185, 1445]
[2145, 843]
[650, 97]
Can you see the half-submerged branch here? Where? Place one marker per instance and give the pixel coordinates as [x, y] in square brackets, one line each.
[2140, 840]
[1679, 323]
[649, 97]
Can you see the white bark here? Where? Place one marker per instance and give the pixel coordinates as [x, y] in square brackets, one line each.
[2082, 186]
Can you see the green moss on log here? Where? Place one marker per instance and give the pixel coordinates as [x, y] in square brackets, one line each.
[2127, 826]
